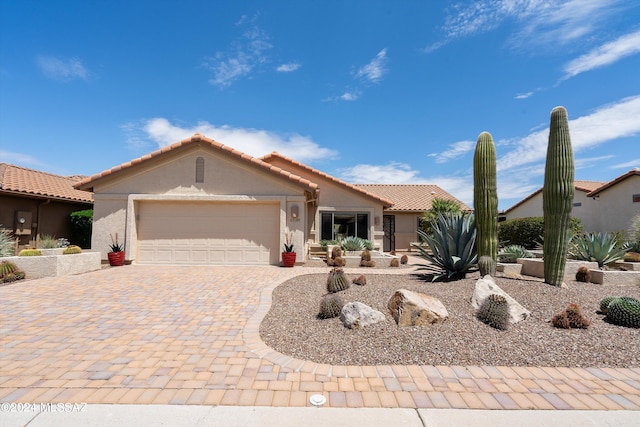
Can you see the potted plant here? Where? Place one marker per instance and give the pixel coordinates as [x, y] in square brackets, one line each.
[116, 256]
[288, 256]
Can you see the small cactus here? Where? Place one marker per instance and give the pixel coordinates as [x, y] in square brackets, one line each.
[494, 311]
[486, 265]
[7, 267]
[583, 274]
[395, 262]
[366, 255]
[30, 252]
[73, 249]
[339, 262]
[404, 259]
[330, 306]
[364, 263]
[336, 252]
[337, 281]
[571, 317]
[624, 311]
[360, 280]
[604, 303]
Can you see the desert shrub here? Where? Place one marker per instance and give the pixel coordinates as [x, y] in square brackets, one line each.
[360, 280]
[7, 243]
[330, 306]
[511, 253]
[528, 232]
[494, 311]
[47, 241]
[583, 274]
[337, 281]
[570, 318]
[81, 225]
[30, 252]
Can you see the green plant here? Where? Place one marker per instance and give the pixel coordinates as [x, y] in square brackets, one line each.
[438, 206]
[7, 243]
[404, 259]
[486, 265]
[325, 243]
[47, 241]
[527, 232]
[288, 246]
[365, 255]
[604, 303]
[352, 244]
[485, 196]
[330, 306]
[115, 246]
[494, 311]
[511, 253]
[624, 311]
[30, 252]
[73, 249]
[395, 262]
[337, 281]
[368, 244]
[452, 246]
[557, 196]
[81, 224]
[571, 317]
[600, 247]
[7, 267]
[360, 280]
[583, 274]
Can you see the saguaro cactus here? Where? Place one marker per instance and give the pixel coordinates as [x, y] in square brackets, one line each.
[557, 197]
[485, 197]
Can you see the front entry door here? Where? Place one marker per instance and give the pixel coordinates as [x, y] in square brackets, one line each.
[389, 228]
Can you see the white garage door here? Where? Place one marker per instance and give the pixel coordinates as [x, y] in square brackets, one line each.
[208, 233]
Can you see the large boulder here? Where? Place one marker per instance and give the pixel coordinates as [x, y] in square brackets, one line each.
[486, 286]
[356, 315]
[416, 309]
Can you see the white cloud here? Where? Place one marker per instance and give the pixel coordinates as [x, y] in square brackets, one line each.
[374, 70]
[255, 142]
[288, 68]
[606, 54]
[61, 69]
[392, 173]
[538, 22]
[457, 149]
[627, 165]
[461, 187]
[523, 95]
[20, 159]
[246, 53]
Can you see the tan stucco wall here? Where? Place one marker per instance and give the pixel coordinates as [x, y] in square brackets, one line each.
[173, 178]
[406, 229]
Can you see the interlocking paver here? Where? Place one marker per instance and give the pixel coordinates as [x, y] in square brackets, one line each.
[190, 335]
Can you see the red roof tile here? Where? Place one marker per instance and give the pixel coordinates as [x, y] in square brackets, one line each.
[604, 186]
[410, 197]
[20, 180]
[88, 183]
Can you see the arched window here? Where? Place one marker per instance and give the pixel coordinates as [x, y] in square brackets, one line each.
[200, 169]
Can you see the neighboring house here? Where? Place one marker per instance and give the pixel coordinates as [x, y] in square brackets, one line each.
[34, 203]
[200, 202]
[601, 206]
[402, 220]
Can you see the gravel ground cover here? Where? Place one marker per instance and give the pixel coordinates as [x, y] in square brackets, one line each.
[293, 328]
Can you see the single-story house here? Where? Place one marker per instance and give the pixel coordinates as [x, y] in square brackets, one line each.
[601, 206]
[198, 201]
[35, 203]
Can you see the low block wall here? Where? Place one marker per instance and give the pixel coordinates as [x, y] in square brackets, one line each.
[36, 267]
[535, 267]
[509, 268]
[612, 277]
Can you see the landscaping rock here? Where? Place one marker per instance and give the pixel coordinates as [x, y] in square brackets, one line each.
[356, 315]
[486, 286]
[416, 309]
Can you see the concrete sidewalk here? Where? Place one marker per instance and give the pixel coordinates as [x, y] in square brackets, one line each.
[232, 416]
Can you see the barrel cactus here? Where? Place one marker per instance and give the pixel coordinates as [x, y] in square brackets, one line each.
[494, 311]
[360, 280]
[624, 311]
[557, 197]
[30, 252]
[485, 196]
[9, 272]
[404, 259]
[330, 306]
[571, 318]
[73, 249]
[337, 281]
[604, 303]
[395, 262]
[486, 265]
[366, 255]
[583, 274]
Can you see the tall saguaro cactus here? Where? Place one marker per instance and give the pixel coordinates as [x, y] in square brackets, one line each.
[557, 197]
[485, 197]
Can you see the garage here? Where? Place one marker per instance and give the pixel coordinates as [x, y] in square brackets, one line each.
[180, 232]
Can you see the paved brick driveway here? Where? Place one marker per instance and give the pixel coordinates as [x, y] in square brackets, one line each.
[189, 335]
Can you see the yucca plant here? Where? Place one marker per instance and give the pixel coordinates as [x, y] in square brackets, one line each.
[453, 246]
[602, 248]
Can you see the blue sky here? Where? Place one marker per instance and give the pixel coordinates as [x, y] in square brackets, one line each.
[368, 91]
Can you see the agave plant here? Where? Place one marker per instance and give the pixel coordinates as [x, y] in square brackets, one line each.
[603, 248]
[453, 246]
[352, 243]
[511, 253]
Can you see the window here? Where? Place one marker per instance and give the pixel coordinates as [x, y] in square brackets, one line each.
[636, 198]
[200, 169]
[338, 225]
[577, 204]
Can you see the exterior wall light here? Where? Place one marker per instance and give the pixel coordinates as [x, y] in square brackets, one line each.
[294, 212]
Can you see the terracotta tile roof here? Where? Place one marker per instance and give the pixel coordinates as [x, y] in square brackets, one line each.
[604, 186]
[88, 183]
[410, 197]
[20, 180]
[579, 185]
[377, 197]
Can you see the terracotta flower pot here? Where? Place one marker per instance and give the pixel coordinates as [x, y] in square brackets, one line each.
[288, 259]
[116, 259]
